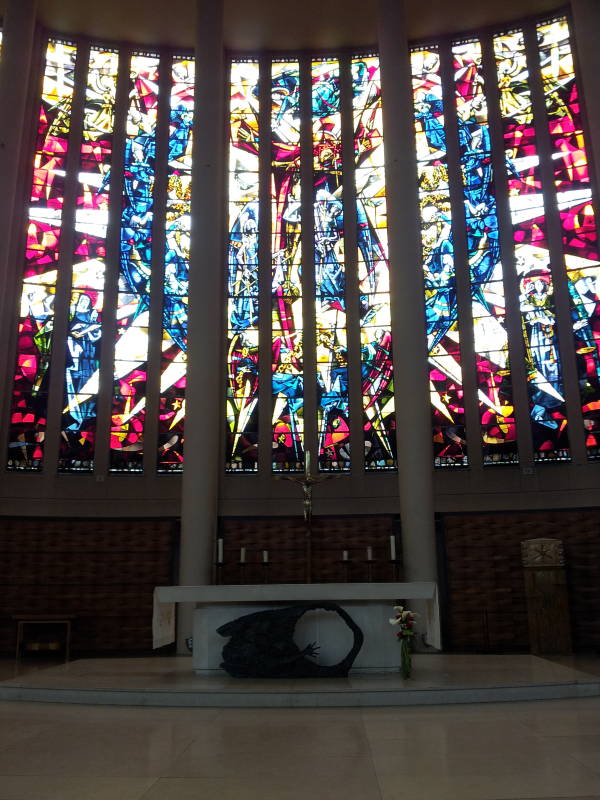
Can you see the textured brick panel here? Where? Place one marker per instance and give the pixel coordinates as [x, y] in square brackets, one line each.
[486, 604]
[103, 572]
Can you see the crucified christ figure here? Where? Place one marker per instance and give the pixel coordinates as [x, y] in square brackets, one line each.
[306, 482]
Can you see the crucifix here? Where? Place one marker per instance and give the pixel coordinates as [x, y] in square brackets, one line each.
[306, 482]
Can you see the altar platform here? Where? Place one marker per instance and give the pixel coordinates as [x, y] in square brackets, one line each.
[160, 681]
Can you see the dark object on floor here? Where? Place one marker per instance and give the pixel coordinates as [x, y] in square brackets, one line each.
[262, 645]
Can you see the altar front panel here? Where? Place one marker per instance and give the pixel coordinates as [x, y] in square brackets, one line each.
[380, 651]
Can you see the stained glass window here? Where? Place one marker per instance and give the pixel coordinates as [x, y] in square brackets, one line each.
[176, 266]
[581, 257]
[330, 272]
[377, 386]
[286, 293]
[532, 254]
[88, 265]
[242, 270]
[488, 306]
[36, 316]
[135, 266]
[441, 305]
[541, 214]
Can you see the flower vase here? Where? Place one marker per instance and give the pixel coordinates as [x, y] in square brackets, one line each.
[405, 657]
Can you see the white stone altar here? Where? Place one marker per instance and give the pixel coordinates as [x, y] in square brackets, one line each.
[369, 604]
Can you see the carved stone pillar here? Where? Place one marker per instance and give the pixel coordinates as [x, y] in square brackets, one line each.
[547, 596]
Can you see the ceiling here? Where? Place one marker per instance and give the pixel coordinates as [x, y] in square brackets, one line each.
[275, 25]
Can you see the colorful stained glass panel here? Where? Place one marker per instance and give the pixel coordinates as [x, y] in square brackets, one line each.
[379, 414]
[536, 286]
[82, 366]
[333, 424]
[176, 265]
[242, 270]
[36, 317]
[135, 265]
[581, 256]
[287, 357]
[496, 408]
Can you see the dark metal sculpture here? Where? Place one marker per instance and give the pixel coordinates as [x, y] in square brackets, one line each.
[262, 645]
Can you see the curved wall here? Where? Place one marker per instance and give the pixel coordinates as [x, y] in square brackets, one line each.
[476, 488]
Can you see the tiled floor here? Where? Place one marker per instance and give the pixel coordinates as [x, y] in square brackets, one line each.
[174, 673]
[547, 749]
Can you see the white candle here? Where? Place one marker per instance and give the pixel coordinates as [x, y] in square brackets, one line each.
[307, 462]
[345, 555]
[242, 555]
[393, 547]
[369, 554]
[219, 551]
[265, 556]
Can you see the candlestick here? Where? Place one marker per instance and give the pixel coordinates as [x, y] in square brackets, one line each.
[242, 555]
[219, 551]
[345, 555]
[265, 556]
[392, 547]
[369, 554]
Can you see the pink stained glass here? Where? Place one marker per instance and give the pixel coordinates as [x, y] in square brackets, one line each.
[581, 257]
[36, 318]
[547, 405]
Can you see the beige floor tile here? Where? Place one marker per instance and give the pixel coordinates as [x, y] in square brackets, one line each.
[532, 775]
[582, 748]
[301, 738]
[89, 750]
[282, 764]
[455, 731]
[336, 787]
[27, 787]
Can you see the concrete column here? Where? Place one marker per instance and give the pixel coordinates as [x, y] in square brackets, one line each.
[15, 80]
[415, 471]
[586, 27]
[204, 449]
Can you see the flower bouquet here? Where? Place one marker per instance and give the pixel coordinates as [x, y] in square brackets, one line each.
[405, 620]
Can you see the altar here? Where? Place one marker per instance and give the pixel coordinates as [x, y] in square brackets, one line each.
[369, 604]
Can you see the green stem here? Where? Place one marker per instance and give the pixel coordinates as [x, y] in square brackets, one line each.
[405, 658]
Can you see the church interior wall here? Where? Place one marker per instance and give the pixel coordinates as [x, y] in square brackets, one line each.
[470, 491]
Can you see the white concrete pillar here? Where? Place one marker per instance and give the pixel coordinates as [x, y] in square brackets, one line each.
[204, 449]
[586, 27]
[415, 471]
[15, 79]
